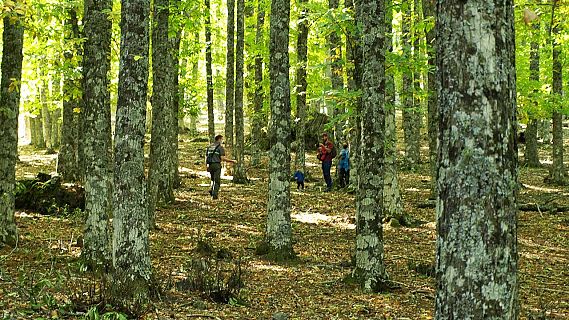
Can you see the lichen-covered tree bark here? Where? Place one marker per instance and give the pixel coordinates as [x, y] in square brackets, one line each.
[531, 155]
[557, 174]
[279, 231]
[432, 114]
[391, 194]
[239, 176]
[301, 86]
[174, 82]
[12, 44]
[230, 77]
[370, 270]
[336, 73]
[97, 132]
[209, 72]
[160, 183]
[476, 264]
[257, 118]
[131, 258]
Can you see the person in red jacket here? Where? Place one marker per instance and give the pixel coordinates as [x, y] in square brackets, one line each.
[325, 155]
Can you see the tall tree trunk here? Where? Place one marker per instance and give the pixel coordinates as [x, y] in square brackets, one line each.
[55, 116]
[353, 58]
[301, 85]
[37, 132]
[432, 112]
[477, 255]
[531, 155]
[391, 195]
[240, 176]
[97, 137]
[209, 73]
[160, 183]
[45, 113]
[279, 231]
[230, 77]
[10, 84]
[557, 173]
[370, 269]
[174, 81]
[257, 120]
[336, 76]
[131, 256]
[410, 113]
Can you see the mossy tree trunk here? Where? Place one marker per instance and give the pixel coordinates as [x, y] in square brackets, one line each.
[476, 264]
[10, 84]
[279, 230]
[370, 269]
[160, 182]
[239, 176]
[97, 137]
[130, 285]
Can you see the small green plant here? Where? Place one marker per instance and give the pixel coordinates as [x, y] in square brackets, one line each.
[93, 314]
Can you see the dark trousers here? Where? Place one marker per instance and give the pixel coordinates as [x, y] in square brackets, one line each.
[344, 177]
[215, 172]
[326, 166]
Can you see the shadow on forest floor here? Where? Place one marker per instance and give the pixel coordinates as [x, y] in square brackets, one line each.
[41, 275]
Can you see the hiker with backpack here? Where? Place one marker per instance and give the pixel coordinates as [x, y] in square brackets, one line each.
[326, 152]
[215, 153]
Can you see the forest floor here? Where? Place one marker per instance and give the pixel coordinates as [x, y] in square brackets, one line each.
[199, 241]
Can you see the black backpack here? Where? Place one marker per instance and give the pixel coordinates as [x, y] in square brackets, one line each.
[333, 152]
[209, 156]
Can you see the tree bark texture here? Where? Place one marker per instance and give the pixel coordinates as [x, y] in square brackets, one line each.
[209, 73]
[10, 83]
[531, 154]
[432, 113]
[131, 257]
[239, 176]
[336, 74]
[557, 173]
[97, 133]
[476, 264]
[160, 182]
[370, 270]
[391, 194]
[279, 231]
[257, 121]
[230, 77]
[301, 86]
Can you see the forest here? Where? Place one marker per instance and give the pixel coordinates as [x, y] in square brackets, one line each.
[309, 159]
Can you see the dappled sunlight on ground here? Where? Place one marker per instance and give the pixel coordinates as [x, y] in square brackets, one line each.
[323, 225]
